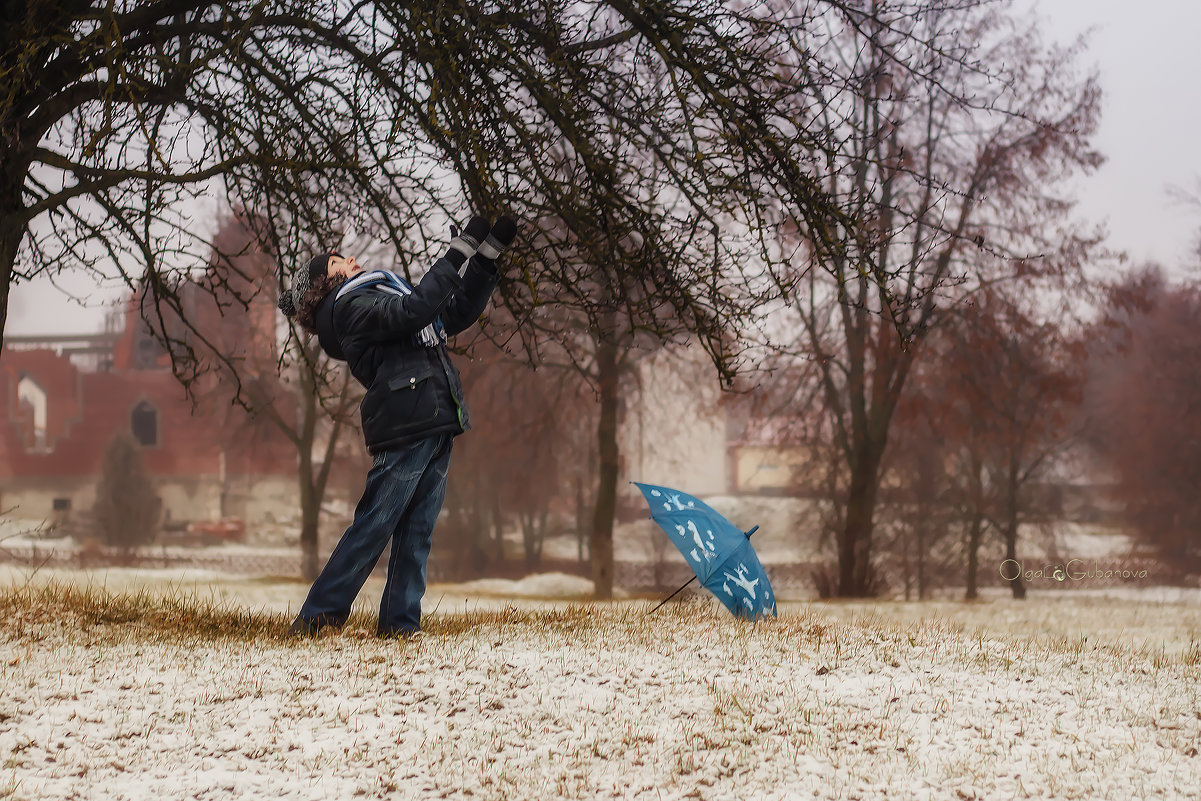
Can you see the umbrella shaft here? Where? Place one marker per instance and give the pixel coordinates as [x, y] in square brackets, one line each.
[673, 595]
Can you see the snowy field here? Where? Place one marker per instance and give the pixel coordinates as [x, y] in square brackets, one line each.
[174, 685]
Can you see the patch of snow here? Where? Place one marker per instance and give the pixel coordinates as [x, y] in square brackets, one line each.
[1076, 540]
[22, 530]
[543, 585]
[692, 704]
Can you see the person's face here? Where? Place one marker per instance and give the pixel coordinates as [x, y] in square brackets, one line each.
[340, 265]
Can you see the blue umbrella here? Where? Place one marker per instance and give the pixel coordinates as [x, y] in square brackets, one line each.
[718, 551]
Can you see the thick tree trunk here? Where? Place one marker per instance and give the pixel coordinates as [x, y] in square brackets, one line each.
[854, 542]
[870, 416]
[310, 509]
[309, 566]
[1015, 584]
[11, 233]
[310, 497]
[975, 532]
[975, 529]
[606, 493]
[533, 535]
[922, 579]
[581, 522]
[926, 481]
[1011, 533]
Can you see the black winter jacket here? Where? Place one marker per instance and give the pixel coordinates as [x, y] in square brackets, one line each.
[413, 389]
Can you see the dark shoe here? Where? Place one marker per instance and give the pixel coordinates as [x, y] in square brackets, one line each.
[303, 629]
[399, 634]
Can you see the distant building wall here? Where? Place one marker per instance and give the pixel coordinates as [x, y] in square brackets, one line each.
[194, 453]
[68, 501]
[260, 497]
[35, 497]
[769, 468]
[207, 455]
[674, 429]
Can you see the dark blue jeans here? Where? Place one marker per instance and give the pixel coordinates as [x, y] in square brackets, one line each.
[404, 494]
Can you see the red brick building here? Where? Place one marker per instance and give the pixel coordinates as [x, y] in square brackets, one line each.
[63, 400]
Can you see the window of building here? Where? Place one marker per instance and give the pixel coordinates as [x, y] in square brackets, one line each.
[32, 396]
[147, 352]
[143, 422]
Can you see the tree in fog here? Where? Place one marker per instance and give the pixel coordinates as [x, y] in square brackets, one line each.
[127, 509]
[1143, 405]
[916, 499]
[311, 399]
[951, 170]
[524, 463]
[991, 408]
[1006, 392]
[314, 406]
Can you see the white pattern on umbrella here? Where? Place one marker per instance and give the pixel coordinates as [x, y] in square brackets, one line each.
[740, 580]
[707, 549]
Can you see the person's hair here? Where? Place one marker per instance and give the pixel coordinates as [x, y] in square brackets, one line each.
[306, 307]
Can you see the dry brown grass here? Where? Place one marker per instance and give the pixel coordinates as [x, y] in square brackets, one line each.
[151, 615]
[35, 612]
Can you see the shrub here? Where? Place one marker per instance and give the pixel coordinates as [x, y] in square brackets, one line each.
[127, 508]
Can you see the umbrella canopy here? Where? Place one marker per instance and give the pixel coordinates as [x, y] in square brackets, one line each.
[718, 551]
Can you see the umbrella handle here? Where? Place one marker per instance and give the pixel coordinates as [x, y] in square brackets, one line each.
[673, 595]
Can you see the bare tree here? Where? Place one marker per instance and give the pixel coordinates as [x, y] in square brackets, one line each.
[1143, 406]
[915, 475]
[1013, 389]
[322, 401]
[950, 169]
[628, 132]
[521, 463]
[250, 378]
[118, 120]
[591, 121]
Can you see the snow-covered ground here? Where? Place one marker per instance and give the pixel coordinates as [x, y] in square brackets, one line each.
[1063, 696]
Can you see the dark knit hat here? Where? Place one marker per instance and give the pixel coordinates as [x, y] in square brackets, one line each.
[304, 278]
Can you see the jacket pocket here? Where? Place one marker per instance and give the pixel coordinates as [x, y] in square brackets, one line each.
[412, 399]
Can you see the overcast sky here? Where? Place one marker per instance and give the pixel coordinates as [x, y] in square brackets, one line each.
[1149, 65]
